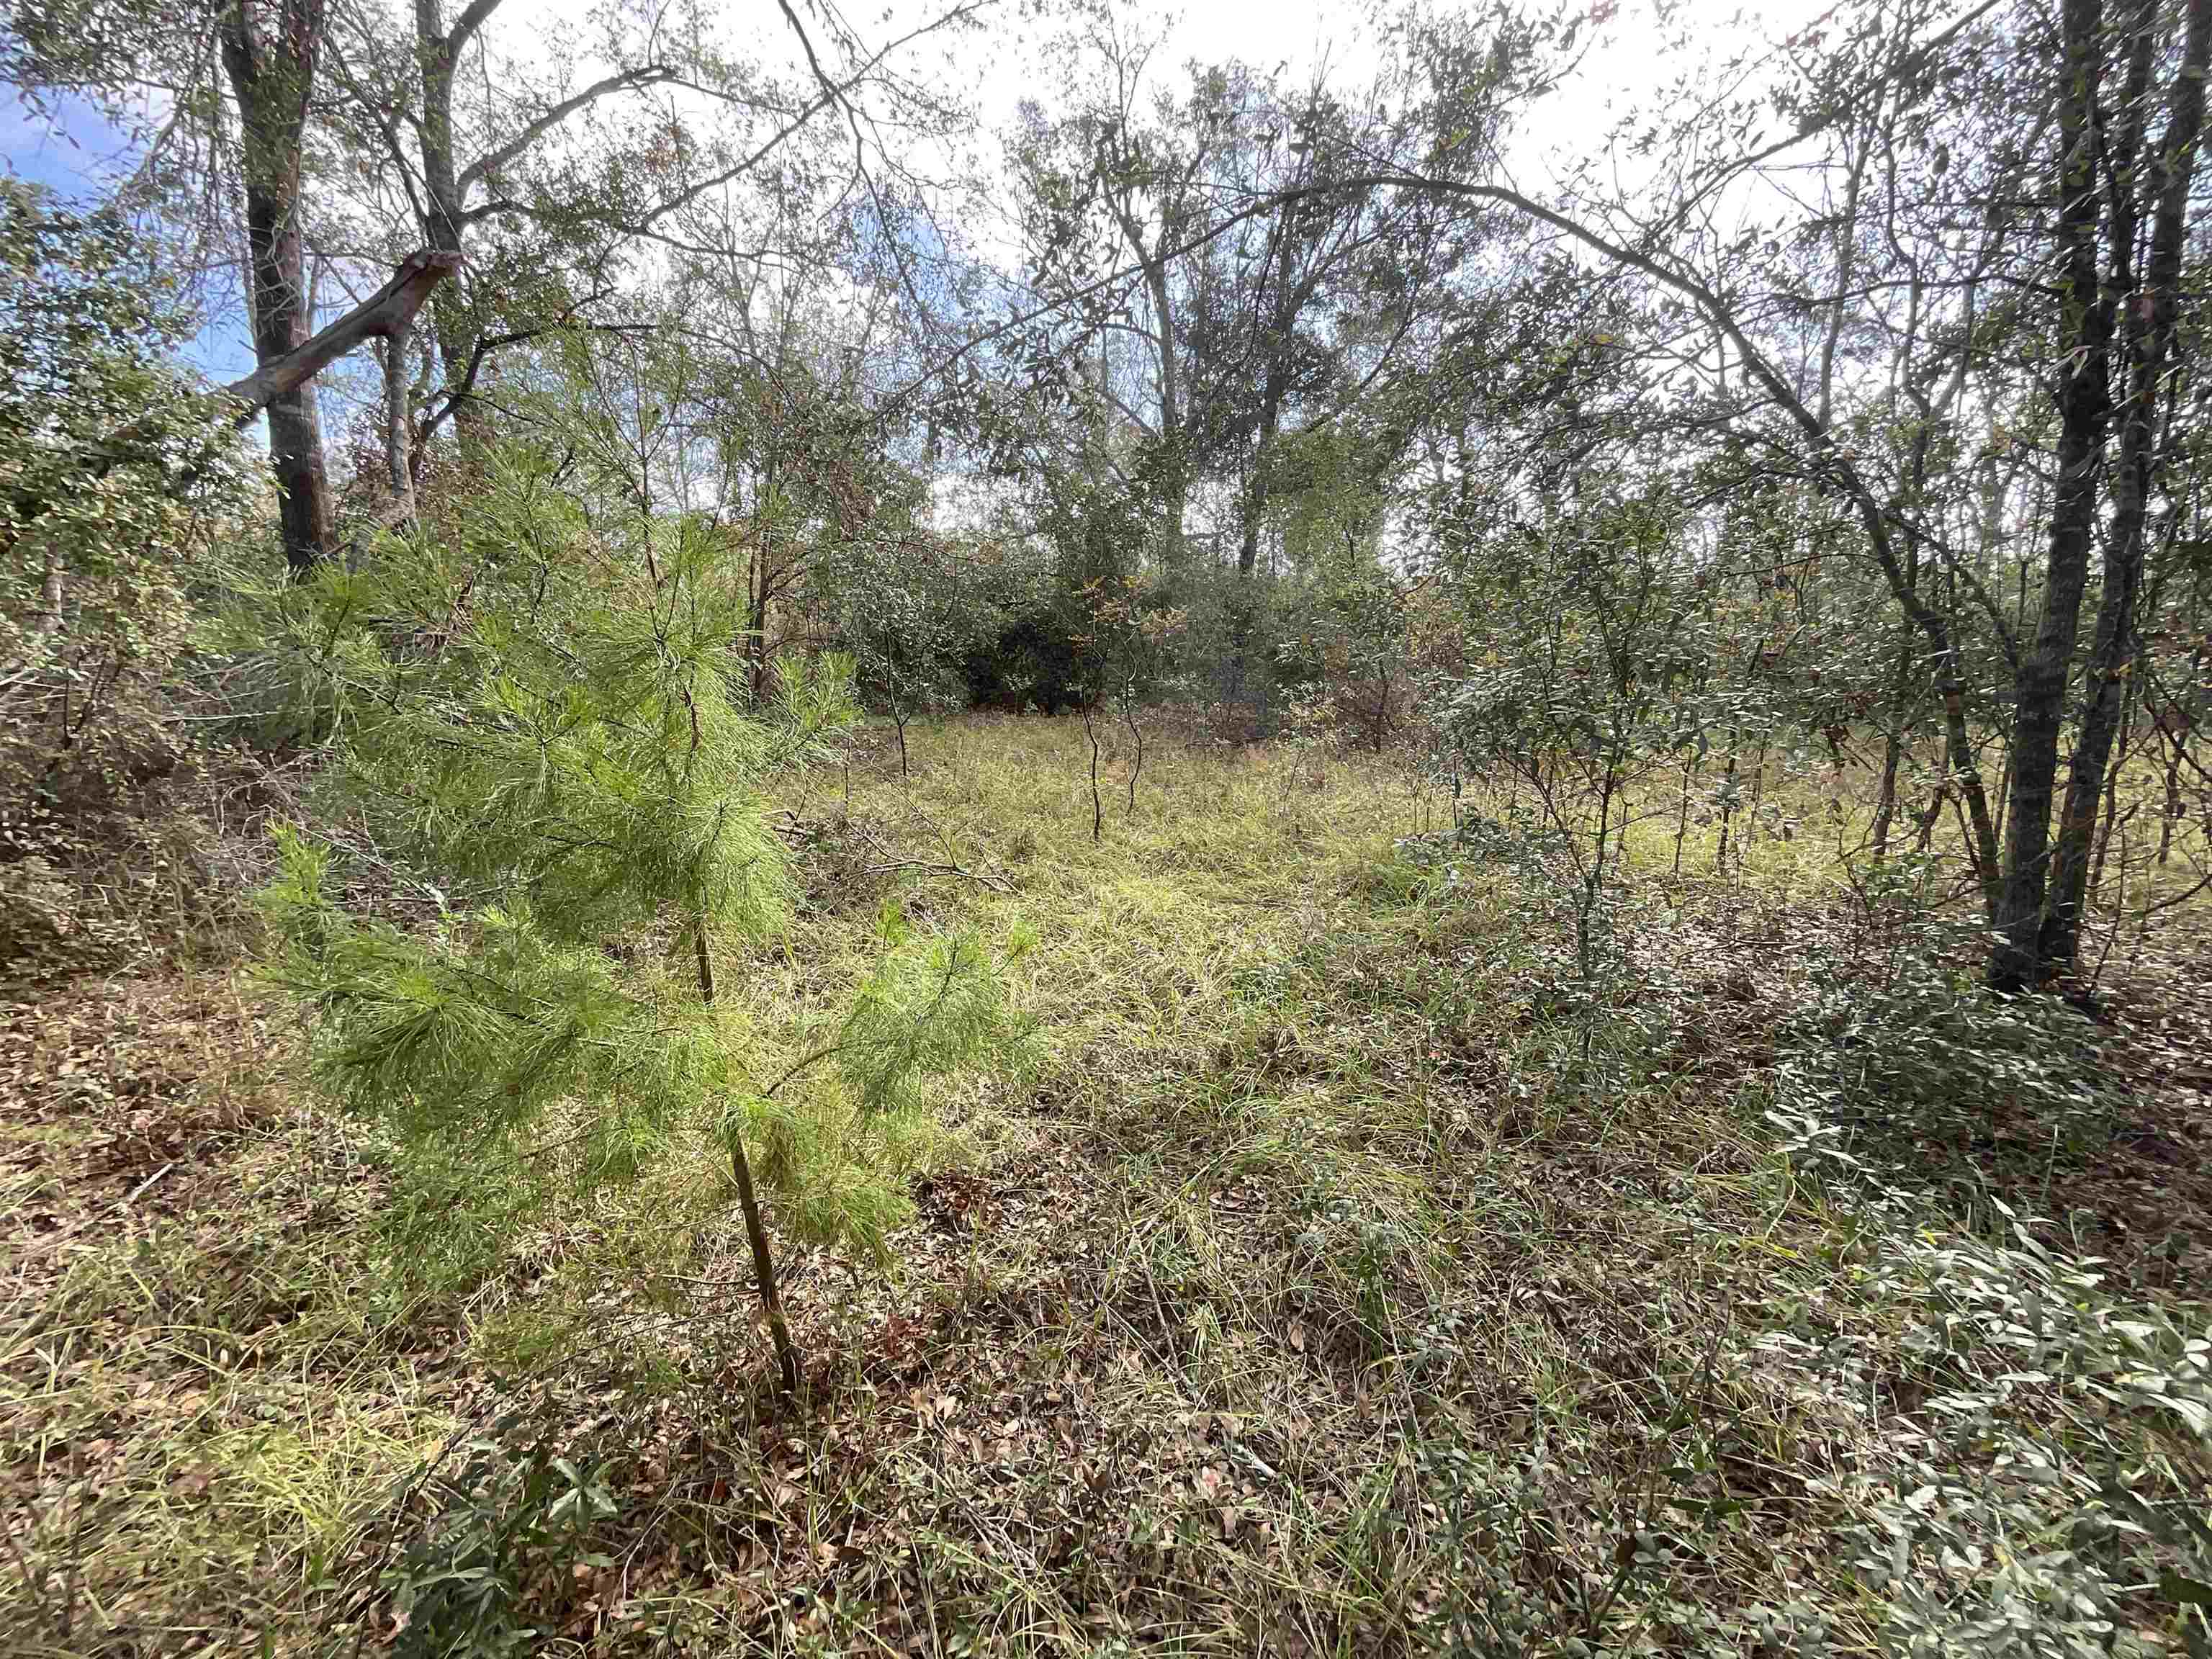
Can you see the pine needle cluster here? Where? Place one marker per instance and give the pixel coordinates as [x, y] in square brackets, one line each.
[550, 738]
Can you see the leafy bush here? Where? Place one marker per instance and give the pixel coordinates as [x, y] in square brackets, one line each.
[1353, 645]
[112, 470]
[1037, 658]
[2041, 1489]
[2048, 1497]
[903, 608]
[500, 1553]
[115, 475]
[1907, 1042]
[1586, 678]
[1538, 1562]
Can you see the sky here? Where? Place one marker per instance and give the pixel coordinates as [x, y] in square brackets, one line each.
[1001, 62]
[69, 155]
[71, 150]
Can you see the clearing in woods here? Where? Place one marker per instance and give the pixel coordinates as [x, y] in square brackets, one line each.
[1325, 1280]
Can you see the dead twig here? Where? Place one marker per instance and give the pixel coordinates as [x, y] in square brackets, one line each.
[997, 884]
[144, 1187]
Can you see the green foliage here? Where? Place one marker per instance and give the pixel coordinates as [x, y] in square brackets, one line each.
[1353, 644]
[1582, 651]
[2049, 1501]
[840, 1151]
[1907, 1042]
[479, 1029]
[499, 1556]
[905, 609]
[1025, 640]
[930, 1003]
[340, 651]
[1540, 1563]
[1586, 674]
[1236, 641]
[1132, 633]
[114, 471]
[545, 742]
[2045, 1500]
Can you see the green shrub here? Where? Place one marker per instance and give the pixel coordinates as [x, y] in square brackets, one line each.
[1910, 1044]
[2048, 1499]
[114, 471]
[116, 477]
[501, 1552]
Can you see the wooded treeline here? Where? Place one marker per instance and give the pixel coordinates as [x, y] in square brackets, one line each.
[1833, 416]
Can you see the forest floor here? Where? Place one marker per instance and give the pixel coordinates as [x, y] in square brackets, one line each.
[1328, 1280]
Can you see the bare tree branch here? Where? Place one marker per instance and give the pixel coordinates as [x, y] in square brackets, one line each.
[388, 311]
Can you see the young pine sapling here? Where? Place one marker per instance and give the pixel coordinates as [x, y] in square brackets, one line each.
[577, 773]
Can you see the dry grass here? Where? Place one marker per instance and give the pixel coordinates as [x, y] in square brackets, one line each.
[1308, 1289]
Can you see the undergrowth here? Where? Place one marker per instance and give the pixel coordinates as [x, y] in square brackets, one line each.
[1319, 1277]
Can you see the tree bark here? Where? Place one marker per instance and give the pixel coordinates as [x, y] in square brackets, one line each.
[786, 1353]
[269, 53]
[445, 213]
[2174, 723]
[2152, 335]
[1174, 489]
[1900, 720]
[387, 310]
[1274, 344]
[1257, 489]
[398, 432]
[388, 313]
[2084, 413]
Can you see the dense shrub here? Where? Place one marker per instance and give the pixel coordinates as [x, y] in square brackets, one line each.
[1036, 658]
[114, 473]
[116, 477]
[1903, 1044]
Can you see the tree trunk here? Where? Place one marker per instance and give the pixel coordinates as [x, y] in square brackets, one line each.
[1152, 256]
[388, 313]
[1098, 806]
[786, 1353]
[758, 575]
[1885, 809]
[1682, 808]
[306, 513]
[2110, 817]
[382, 314]
[398, 432]
[1175, 487]
[443, 216]
[2173, 724]
[1255, 507]
[1136, 736]
[2152, 336]
[1256, 490]
[1899, 722]
[2084, 412]
[1924, 825]
[1728, 810]
[1965, 774]
[269, 56]
[779, 1329]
